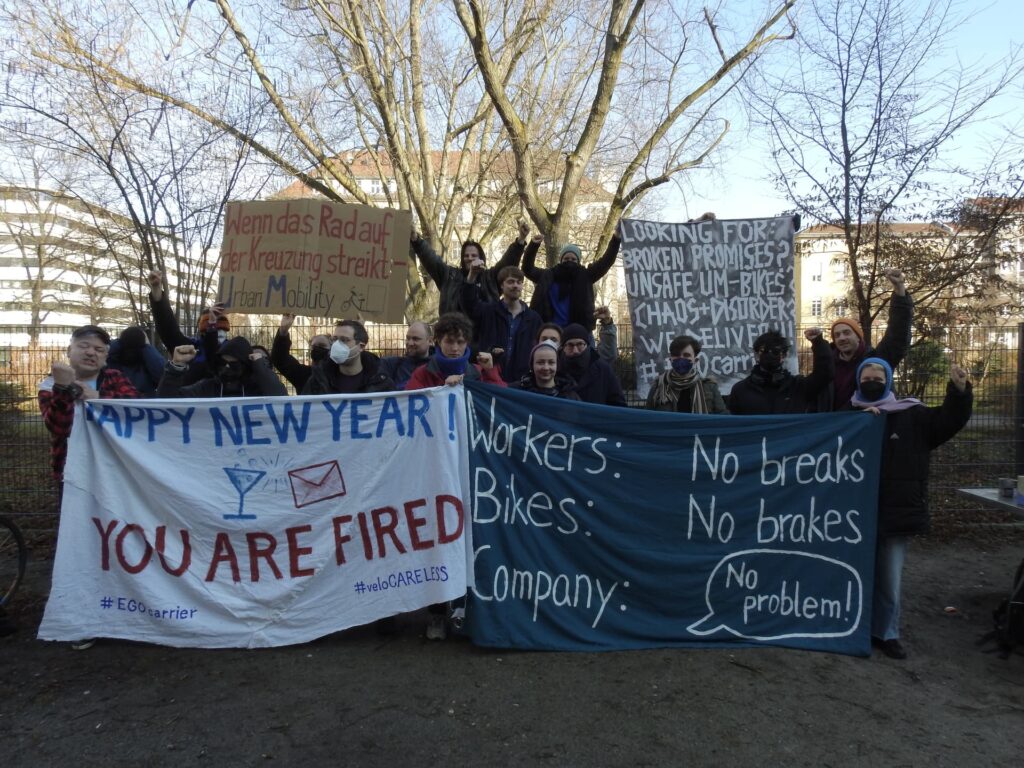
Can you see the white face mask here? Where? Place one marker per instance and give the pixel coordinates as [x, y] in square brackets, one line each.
[222, 336]
[340, 352]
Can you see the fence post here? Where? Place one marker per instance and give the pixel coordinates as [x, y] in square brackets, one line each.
[1018, 416]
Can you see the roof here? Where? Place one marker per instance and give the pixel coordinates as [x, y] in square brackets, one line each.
[363, 165]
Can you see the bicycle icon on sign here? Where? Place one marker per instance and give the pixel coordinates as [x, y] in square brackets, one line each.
[355, 300]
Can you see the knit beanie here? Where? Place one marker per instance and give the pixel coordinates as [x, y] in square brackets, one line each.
[570, 248]
[850, 322]
[575, 331]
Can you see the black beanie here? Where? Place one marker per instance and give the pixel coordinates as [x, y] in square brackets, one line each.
[575, 331]
[133, 338]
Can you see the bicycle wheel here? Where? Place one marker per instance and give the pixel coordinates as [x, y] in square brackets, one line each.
[13, 559]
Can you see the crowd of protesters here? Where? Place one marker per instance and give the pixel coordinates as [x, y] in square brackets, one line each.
[486, 332]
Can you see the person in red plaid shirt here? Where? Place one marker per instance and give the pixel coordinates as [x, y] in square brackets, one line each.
[84, 377]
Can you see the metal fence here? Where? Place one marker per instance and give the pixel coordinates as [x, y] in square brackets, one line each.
[991, 446]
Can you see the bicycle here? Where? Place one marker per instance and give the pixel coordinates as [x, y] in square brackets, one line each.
[13, 559]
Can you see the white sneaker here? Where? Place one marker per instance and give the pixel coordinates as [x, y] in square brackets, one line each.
[436, 629]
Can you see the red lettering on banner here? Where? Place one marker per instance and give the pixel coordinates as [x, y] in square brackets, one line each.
[442, 536]
[223, 552]
[256, 552]
[340, 538]
[415, 523]
[105, 537]
[186, 551]
[119, 548]
[388, 529]
[295, 551]
[364, 533]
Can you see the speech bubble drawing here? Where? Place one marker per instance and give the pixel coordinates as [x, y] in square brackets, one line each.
[758, 588]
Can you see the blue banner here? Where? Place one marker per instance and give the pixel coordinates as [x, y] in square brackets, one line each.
[599, 528]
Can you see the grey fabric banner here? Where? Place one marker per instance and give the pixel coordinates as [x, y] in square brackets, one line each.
[723, 282]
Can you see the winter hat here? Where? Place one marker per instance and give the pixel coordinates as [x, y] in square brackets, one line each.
[575, 331]
[571, 248]
[850, 322]
[223, 324]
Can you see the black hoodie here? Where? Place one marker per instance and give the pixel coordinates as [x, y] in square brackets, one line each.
[257, 378]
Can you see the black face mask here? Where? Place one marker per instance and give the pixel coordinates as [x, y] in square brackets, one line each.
[316, 354]
[769, 361]
[871, 390]
[230, 372]
[576, 366]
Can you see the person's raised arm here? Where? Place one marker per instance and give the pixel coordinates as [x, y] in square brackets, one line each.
[283, 360]
[822, 366]
[530, 268]
[600, 268]
[264, 376]
[174, 372]
[955, 411]
[166, 323]
[514, 253]
[896, 342]
[433, 263]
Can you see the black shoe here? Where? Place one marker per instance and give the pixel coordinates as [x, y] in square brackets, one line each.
[893, 649]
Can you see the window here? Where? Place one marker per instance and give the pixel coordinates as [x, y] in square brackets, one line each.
[816, 278]
[816, 307]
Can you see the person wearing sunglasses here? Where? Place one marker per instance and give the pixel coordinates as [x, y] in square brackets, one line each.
[770, 388]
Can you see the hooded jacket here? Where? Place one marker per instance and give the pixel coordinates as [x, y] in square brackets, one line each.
[258, 380]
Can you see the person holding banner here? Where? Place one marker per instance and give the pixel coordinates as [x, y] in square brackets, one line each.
[238, 372]
[681, 389]
[849, 348]
[349, 369]
[543, 378]
[281, 358]
[83, 377]
[770, 388]
[564, 293]
[450, 280]
[912, 431]
[450, 362]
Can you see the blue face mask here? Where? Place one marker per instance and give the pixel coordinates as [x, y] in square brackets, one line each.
[682, 366]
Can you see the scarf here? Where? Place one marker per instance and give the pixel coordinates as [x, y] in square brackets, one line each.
[888, 402]
[451, 366]
[670, 386]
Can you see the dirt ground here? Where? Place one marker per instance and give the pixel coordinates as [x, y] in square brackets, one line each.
[361, 699]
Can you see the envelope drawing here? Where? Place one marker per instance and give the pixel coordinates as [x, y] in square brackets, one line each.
[317, 482]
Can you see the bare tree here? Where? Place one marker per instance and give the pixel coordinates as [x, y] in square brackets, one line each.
[857, 120]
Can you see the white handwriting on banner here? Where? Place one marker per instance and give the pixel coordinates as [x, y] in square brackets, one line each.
[747, 607]
[796, 527]
[267, 423]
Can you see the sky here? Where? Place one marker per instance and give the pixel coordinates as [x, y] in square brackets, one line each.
[738, 188]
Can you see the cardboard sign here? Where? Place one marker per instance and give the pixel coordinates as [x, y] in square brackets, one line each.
[315, 258]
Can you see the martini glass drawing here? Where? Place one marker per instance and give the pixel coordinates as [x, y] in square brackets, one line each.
[243, 480]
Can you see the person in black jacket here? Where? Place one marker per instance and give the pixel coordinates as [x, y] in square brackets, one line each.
[770, 388]
[133, 355]
[214, 329]
[506, 328]
[564, 293]
[849, 347]
[295, 372]
[237, 372]
[349, 369]
[450, 280]
[595, 380]
[912, 431]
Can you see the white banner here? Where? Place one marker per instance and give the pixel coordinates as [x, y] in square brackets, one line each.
[259, 522]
